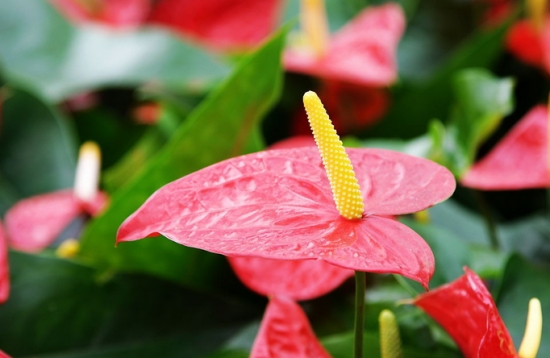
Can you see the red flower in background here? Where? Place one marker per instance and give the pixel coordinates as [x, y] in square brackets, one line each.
[4, 269]
[529, 39]
[519, 161]
[353, 65]
[362, 52]
[286, 332]
[32, 224]
[222, 25]
[468, 313]
[112, 13]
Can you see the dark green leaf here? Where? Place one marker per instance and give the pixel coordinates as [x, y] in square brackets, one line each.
[38, 151]
[58, 308]
[217, 129]
[417, 103]
[521, 282]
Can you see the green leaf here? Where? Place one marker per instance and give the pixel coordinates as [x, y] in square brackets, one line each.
[521, 282]
[38, 152]
[40, 48]
[414, 104]
[58, 309]
[451, 254]
[219, 128]
[482, 100]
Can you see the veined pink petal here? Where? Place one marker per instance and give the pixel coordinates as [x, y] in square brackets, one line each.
[362, 52]
[519, 161]
[4, 268]
[278, 204]
[468, 313]
[296, 279]
[33, 223]
[285, 332]
[220, 24]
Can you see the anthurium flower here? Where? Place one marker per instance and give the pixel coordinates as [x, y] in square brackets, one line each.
[222, 25]
[279, 204]
[362, 52]
[529, 39]
[4, 355]
[519, 160]
[112, 13]
[4, 268]
[32, 224]
[285, 332]
[468, 313]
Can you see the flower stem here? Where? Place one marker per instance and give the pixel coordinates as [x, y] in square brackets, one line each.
[360, 287]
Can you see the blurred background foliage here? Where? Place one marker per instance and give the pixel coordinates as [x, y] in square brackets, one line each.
[161, 107]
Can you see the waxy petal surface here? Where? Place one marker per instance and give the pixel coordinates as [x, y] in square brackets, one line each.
[4, 355]
[285, 332]
[468, 313]
[296, 279]
[519, 161]
[4, 268]
[278, 204]
[362, 52]
[32, 224]
[220, 24]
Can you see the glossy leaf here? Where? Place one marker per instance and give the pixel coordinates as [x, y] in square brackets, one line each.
[218, 128]
[368, 42]
[468, 313]
[38, 151]
[285, 332]
[4, 267]
[59, 60]
[223, 25]
[298, 279]
[278, 204]
[519, 160]
[482, 100]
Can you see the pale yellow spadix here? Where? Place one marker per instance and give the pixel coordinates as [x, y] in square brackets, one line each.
[343, 182]
[87, 172]
[313, 20]
[533, 331]
[390, 342]
[537, 12]
[68, 249]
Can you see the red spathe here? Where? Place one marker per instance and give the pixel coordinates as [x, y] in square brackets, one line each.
[285, 332]
[519, 161]
[278, 204]
[468, 313]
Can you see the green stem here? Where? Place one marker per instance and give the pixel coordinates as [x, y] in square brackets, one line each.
[360, 288]
[489, 220]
